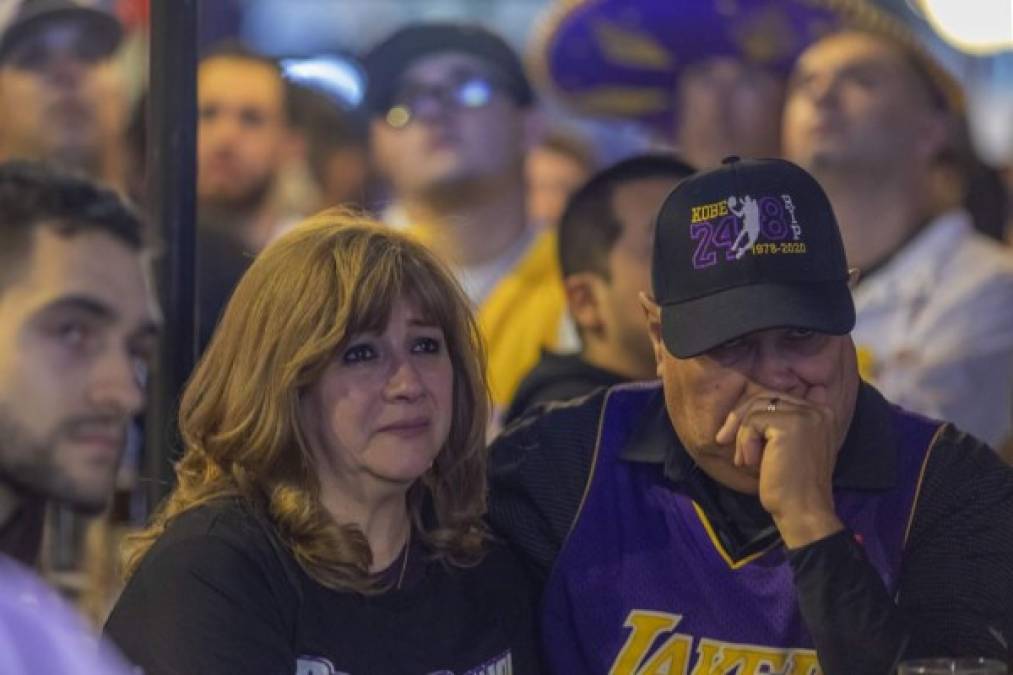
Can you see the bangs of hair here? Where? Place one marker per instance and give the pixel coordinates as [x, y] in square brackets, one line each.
[392, 277]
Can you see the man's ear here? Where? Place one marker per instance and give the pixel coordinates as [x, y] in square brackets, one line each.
[652, 312]
[584, 301]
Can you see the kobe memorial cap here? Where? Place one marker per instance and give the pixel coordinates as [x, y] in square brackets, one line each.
[751, 245]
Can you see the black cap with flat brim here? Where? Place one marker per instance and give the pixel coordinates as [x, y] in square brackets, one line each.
[386, 62]
[748, 246]
[696, 326]
[103, 28]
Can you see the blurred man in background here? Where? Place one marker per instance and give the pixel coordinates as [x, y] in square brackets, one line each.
[244, 140]
[62, 97]
[78, 326]
[605, 238]
[874, 119]
[452, 121]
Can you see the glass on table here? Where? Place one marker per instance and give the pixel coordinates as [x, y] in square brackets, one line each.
[966, 666]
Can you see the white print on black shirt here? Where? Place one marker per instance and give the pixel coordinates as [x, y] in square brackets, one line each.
[316, 665]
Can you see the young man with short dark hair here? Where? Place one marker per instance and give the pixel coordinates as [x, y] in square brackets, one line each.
[78, 325]
[605, 256]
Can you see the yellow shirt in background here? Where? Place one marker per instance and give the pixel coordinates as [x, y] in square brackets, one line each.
[523, 314]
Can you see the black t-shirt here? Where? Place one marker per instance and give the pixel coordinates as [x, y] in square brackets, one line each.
[219, 593]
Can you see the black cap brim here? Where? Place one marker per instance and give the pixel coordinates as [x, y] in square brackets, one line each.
[386, 62]
[105, 27]
[693, 327]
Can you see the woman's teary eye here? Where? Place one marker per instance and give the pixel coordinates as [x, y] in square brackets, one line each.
[427, 345]
[358, 353]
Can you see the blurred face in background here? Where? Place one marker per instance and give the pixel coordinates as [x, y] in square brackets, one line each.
[728, 107]
[855, 104]
[243, 136]
[451, 123]
[77, 331]
[553, 175]
[61, 97]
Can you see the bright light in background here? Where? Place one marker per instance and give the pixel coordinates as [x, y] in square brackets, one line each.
[972, 26]
[334, 76]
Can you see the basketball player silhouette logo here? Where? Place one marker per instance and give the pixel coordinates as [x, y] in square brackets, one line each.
[748, 211]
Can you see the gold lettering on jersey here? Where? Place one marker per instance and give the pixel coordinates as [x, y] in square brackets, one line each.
[670, 658]
[654, 648]
[646, 627]
[708, 211]
[718, 658]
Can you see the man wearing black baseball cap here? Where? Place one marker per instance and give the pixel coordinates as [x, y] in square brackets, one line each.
[760, 509]
[452, 120]
[61, 99]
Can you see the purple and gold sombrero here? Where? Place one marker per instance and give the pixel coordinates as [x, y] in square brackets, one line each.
[621, 58]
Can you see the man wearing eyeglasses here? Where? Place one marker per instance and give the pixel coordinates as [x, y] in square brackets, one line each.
[61, 97]
[452, 119]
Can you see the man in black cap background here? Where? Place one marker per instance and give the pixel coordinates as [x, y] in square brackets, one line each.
[761, 509]
[61, 96]
[452, 118]
[875, 119]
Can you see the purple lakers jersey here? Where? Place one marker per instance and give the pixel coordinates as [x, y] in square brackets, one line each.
[643, 585]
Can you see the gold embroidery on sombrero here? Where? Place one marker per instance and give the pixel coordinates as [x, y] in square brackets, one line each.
[622, 100]
[627, 47]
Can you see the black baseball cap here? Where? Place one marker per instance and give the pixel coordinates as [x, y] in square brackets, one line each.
[103, 28]
[385, 62]
[748, 246]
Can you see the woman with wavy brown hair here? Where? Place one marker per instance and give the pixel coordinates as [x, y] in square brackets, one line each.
[328, 511]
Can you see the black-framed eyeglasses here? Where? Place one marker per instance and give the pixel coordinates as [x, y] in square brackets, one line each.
[474, 91]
